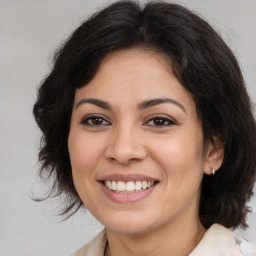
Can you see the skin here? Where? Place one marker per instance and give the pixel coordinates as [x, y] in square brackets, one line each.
[128, 140]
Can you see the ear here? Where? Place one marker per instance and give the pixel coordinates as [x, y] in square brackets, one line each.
[214, 156]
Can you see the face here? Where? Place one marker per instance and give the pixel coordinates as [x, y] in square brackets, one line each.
[136, 145]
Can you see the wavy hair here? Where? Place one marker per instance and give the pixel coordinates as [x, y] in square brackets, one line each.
[203, 64]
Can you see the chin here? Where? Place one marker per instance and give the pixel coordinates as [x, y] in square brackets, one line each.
[128, 228]
[128, 223]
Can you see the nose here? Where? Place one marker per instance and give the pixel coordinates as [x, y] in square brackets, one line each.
[125, 146]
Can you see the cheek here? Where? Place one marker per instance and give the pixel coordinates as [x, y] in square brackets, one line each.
[83, 152]
[84, 156]
[181, 162]
[179, 155]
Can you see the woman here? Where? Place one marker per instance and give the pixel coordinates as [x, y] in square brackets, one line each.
[146, 121]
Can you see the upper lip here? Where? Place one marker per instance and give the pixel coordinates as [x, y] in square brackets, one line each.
[126, 177]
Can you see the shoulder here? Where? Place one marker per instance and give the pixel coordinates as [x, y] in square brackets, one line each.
[219, 240]
[247, 248]
[95, 248]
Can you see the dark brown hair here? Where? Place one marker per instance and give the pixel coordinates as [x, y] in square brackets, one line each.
[201, 61]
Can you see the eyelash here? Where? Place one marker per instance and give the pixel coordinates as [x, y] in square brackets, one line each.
[154, 118]
[90, 118]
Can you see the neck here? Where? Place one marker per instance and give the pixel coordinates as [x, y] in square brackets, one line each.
[177, 239]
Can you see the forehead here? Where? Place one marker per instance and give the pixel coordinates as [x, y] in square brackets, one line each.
[134, 75]
[134, 65]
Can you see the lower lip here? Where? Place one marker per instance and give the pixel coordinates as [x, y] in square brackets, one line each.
[126, 197]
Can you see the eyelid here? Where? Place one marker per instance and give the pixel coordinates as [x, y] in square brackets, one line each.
[171, 121]
[161, 116]
[95, 115]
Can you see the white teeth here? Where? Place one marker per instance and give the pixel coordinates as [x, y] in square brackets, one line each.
[130, 186]
[138, 185]
[144, 184]
[113, 185]
[108, 184]
[120, 186]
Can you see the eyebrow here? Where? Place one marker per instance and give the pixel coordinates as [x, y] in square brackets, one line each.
[153, 102]
[141, 106]
[97, 102]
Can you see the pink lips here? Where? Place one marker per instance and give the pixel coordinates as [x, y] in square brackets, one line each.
[126, 197]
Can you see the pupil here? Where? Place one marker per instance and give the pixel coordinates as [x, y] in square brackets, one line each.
[97, 121]
[159, 121]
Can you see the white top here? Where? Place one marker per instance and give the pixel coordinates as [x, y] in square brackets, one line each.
[217, 241]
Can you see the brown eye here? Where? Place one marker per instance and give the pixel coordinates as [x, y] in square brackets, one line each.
[94, 121]
[160, 121]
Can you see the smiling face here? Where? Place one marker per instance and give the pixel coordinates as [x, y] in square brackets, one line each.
[136, 145]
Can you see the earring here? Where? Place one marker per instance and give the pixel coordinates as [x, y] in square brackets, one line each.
[212, 170]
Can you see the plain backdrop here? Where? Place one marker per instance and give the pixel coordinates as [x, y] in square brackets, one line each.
[30, 31]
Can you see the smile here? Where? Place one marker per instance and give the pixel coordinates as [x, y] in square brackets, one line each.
[128, 187]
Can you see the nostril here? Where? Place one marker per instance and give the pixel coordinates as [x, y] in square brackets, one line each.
[125, 152]
[124, 161]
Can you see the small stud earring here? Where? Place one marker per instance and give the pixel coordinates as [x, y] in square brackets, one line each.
[212, 170]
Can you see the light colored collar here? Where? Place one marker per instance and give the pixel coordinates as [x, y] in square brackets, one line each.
[217, 241]
[96, 247]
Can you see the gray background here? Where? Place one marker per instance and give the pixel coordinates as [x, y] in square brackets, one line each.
[29, 33]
